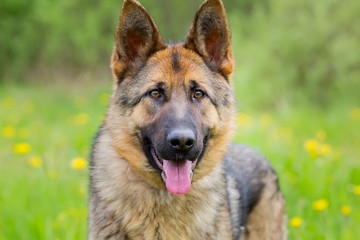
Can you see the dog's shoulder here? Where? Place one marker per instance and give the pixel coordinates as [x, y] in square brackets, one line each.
[246, 173]
[245, 164]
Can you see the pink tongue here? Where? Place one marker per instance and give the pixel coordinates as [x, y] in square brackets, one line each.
[178, 179]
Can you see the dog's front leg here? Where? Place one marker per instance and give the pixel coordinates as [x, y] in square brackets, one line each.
[267, 220]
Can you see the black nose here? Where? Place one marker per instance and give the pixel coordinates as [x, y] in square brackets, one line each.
[181, 139]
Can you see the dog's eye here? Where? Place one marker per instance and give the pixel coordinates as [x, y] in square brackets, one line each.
[155, 93]
[198, 94]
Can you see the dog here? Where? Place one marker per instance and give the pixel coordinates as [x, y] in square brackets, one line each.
[163, 165]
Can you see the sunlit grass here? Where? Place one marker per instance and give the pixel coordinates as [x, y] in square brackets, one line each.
[46, 136]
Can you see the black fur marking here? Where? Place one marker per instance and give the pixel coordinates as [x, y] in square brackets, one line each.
[226, 101]
[113, 234]
[121, 76]
[223, 75]
[193, 85]
[128, 100]
[216, 70]
[92, 164]
[94, 141]
[205, 141]
[248, 169]
[238, 220]
[161, 86]
[175, 61]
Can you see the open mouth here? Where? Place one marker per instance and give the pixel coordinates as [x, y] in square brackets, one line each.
[177, 175]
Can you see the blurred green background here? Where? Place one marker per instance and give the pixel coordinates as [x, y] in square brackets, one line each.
[297, 80]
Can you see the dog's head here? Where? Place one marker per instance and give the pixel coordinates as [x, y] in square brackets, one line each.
[172, 112]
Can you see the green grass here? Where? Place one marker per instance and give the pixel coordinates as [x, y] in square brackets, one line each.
[50, 201]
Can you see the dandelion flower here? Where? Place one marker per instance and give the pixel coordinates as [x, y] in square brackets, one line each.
[296, 222]
[78, 163]
[320, 205]
[345, 210]
[22, 148]
[81, 119]
[35, 162]
[8, 132]
[357, 190]
[311, 146]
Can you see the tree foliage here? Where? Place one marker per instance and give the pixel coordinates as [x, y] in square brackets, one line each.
[300, 49]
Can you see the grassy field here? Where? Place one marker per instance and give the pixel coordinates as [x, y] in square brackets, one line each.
[45, 138]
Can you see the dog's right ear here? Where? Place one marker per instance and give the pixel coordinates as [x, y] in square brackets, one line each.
[209, 36]
[137, 37]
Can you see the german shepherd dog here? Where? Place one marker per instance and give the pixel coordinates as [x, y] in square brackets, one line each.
[162, 165]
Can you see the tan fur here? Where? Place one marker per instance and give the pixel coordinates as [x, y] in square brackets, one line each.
[268, 218]
[142, 206]
[128, 199]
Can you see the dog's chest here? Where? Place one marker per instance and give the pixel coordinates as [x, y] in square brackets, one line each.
[198, 217]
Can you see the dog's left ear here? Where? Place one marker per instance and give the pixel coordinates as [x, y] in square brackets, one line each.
[136, 38]
[209, 36]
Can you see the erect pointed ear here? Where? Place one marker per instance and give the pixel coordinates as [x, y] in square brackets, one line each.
[137, 37]
[209, 36]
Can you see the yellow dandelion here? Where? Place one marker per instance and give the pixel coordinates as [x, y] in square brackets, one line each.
[104, 98]
[311, 146]
[266, 120]
[296, 222]
[357, 190]
[321, 135]
[320, 205]
[22, 148]
[345, 210]
[355, 114]
[24, 132]
[35, 162]
[81, 119]
[78, 163]
[8, 132]
[324, 149]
